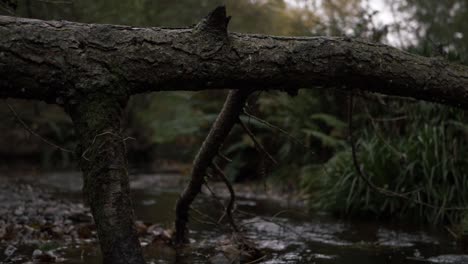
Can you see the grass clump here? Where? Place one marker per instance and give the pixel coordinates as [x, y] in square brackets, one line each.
[424, 158]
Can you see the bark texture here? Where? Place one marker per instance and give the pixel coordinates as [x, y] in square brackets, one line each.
[57, 61]
[220, 129]
[106, 183]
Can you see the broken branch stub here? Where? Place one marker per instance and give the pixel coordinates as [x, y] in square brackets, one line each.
[216, 23]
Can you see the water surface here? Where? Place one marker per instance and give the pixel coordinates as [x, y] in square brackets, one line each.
[286, 232]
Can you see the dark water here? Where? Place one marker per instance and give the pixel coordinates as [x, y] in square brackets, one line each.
[286, 233]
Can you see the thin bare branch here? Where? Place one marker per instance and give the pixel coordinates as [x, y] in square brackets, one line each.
[222, 156]
[257, 143]
[210, 221]
[232, 201]
[282, 131]
[32, 132]
[6, 9]
[214, 195]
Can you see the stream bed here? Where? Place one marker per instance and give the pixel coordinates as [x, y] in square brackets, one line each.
[284, 231]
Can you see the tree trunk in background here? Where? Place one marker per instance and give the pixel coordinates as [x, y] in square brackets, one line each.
[106, 184]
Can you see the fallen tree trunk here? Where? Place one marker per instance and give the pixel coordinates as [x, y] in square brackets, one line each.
[60, 62]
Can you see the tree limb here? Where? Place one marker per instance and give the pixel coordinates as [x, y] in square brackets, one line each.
[208, 151]
[61, 62]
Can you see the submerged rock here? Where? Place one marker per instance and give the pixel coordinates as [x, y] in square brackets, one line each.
[10, 250]
[40, 256]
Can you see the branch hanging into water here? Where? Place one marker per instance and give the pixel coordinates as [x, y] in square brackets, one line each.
[232, 201]
[220, 129]
[214, 195]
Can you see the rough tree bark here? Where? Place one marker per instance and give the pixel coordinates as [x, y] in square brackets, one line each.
[106, 184]
[56, 61]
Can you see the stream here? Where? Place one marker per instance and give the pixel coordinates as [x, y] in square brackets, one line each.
[282, 229]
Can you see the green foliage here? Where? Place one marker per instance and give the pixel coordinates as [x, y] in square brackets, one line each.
[172, 124]
[308, 118]
[427, 164]
[173, 115]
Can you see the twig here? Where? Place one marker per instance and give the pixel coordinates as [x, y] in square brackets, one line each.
[288, 135]
[92, 143]
[25, 126]
[374, 125]
[210, 222]
[6, 9]
[282, 131]
[455, 236]
[56, 2]
[272, 220]
[256, 142]
[213, 194]
[102, 134]
[222, 156]
[232, 200]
